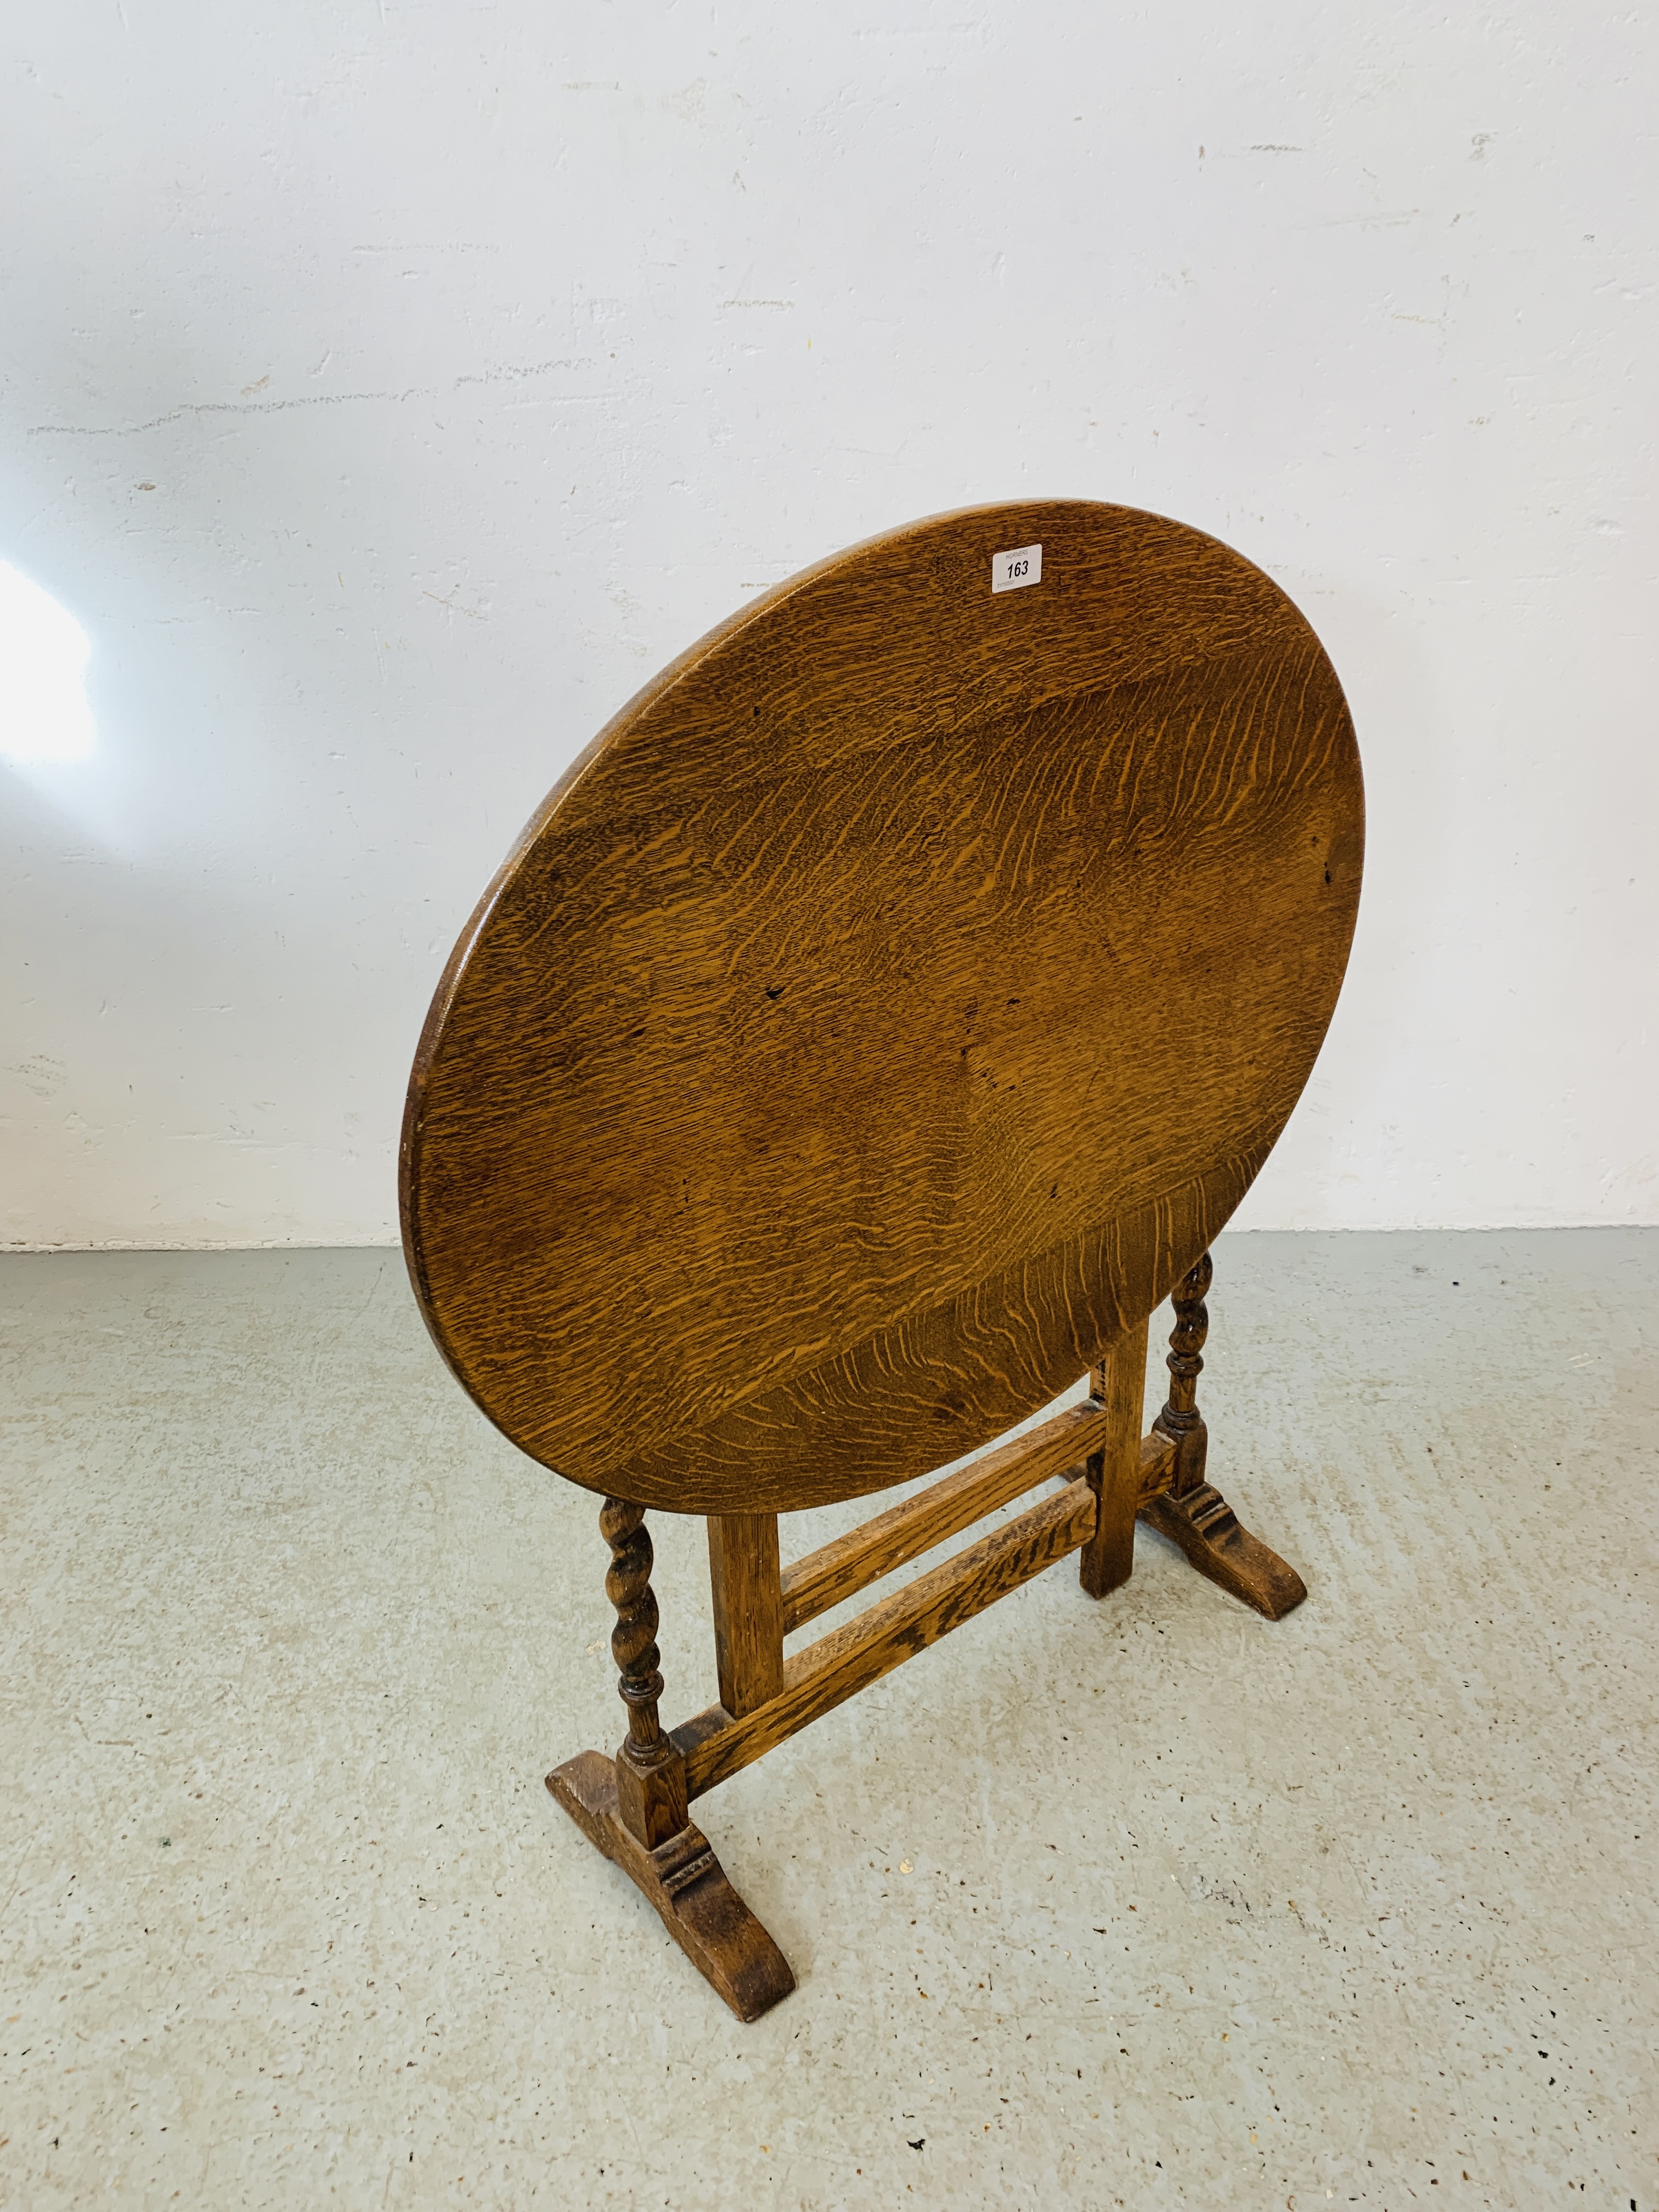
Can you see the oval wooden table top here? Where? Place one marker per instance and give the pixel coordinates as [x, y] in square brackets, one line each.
[885, 1011]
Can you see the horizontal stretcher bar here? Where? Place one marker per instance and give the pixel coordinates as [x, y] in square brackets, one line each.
[814, 1681]
[833, 1669]
[824, 1578]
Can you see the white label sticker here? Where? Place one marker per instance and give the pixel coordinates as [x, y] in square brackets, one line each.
[1013, 571]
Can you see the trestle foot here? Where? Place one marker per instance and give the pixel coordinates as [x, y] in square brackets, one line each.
[1208, 1531]
[688, 1885]
[1191, 1512]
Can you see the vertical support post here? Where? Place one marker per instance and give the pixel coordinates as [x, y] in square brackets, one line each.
[1119, 1383]
[1191, 1512]
[650, 1770]
[1180, 1420]
[744, 1573]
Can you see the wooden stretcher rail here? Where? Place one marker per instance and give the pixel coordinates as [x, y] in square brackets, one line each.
[823, 1578]
[1157, 1465]
[839, 1665]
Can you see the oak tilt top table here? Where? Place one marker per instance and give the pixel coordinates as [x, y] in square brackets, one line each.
[875, 1025]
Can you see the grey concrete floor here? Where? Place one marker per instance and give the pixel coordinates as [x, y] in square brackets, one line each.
[1149, 1904]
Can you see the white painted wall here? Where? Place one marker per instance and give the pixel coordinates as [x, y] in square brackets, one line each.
[390, 388]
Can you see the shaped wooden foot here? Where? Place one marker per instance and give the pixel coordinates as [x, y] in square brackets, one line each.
[1209, 1532]
[632, 1807]
[1191, 1512]
[687, 1884]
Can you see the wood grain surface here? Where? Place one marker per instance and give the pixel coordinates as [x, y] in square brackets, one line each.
[848, 1564]
[886, 1011]
[828, 1673]
[749, 1626]
[1114, 1464]
[687, 1885]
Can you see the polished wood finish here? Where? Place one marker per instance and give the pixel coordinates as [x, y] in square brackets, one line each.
[801, 1108]
[840, 1570]
[1208, 1531]
[650, 1773]
[1191, 1512]
[1118, 1383]
[748, 1623]
[876, 1022]
[1157, 1466]
[686, 1883]
[1180, 1420]
[828, 1671]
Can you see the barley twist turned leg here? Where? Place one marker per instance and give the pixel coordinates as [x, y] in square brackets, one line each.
[1180, 1420]
[632, 1807]
[650, 1771]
